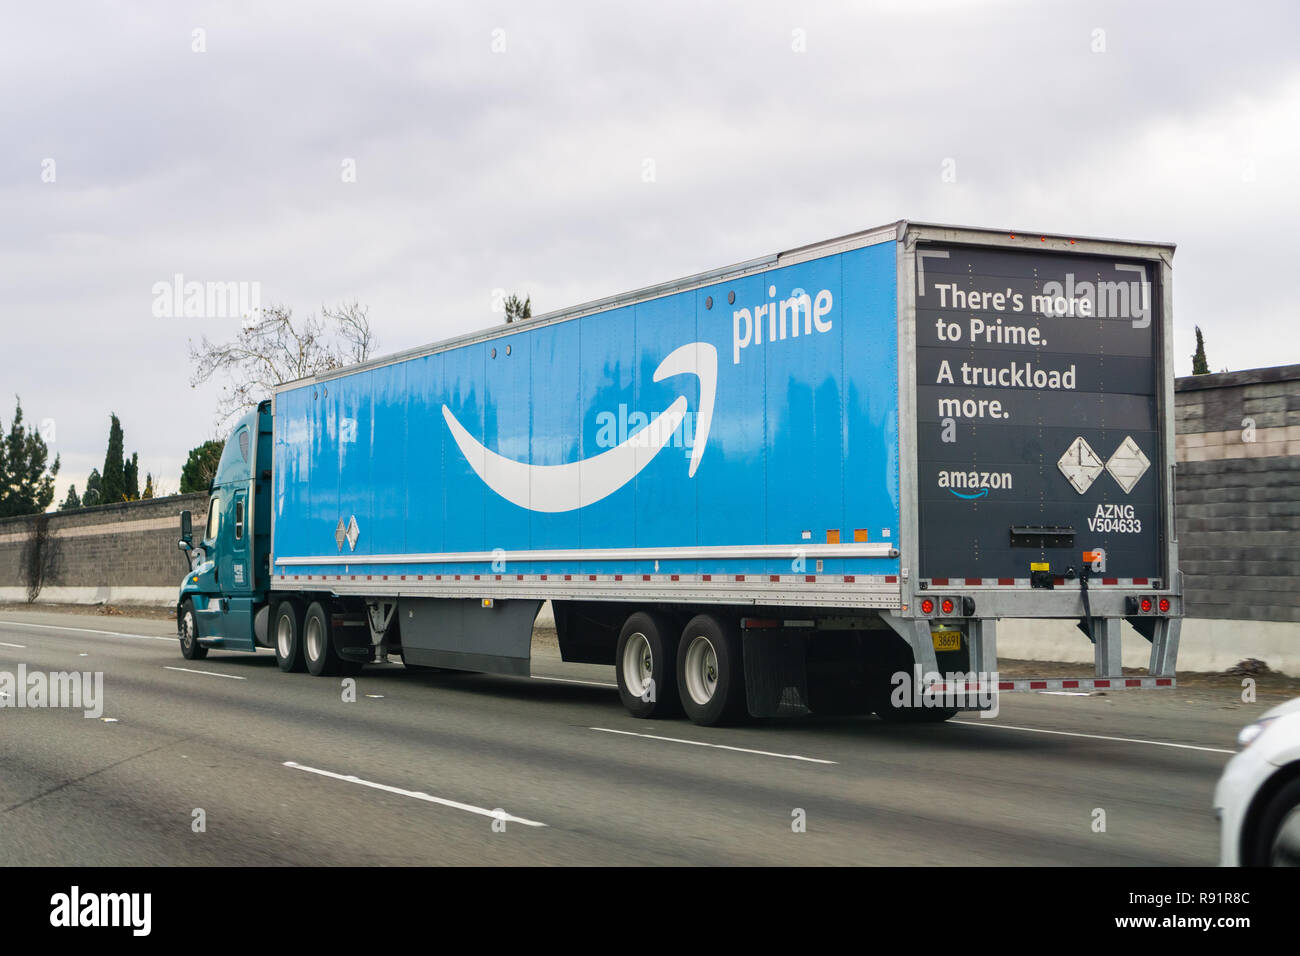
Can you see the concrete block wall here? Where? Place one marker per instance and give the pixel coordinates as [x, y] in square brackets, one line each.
[1237, 496]
[119, 554]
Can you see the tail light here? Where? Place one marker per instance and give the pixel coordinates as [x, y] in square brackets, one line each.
[927, 606]
[1146, 604]
[947, 605]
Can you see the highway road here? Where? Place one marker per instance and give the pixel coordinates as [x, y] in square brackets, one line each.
[421, 767]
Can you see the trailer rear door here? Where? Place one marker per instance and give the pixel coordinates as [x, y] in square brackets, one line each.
[1038, 435]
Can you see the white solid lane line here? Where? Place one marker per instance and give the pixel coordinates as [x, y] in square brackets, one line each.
[188, 670]
[416, 795]
[86, 630]
[19, 646]
[1067, 733]
[701, 743]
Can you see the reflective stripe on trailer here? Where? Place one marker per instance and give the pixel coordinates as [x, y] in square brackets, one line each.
[1056, 683]
[751, 578]
[1022, 583]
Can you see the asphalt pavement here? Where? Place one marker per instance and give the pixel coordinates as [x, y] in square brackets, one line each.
[228, 761]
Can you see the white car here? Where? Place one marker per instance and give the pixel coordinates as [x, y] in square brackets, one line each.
[1257, 800]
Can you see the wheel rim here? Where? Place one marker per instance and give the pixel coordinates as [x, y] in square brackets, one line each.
[284, 636]
[701, 670]
[315, 638]
[187, 630]
[1286, 845]
[638, 665]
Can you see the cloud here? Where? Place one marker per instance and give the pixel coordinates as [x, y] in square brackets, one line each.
[524, 169]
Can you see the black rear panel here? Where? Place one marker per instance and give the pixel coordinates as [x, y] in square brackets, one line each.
[1025, 359]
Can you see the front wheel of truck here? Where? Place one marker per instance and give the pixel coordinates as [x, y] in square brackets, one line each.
[187, 630]
[288, 637]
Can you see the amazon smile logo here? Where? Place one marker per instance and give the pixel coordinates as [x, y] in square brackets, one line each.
[975, 484]
[558, 488]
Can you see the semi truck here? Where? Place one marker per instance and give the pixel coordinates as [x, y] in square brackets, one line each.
[811, 482]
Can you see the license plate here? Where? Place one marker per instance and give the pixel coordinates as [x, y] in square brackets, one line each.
[946, 640]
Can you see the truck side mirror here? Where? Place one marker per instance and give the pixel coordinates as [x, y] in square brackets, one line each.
[187, 531]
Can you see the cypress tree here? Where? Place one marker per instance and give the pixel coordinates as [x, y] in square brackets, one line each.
[94, 490]
[1200, 365]
[113, 477]
[131, 478]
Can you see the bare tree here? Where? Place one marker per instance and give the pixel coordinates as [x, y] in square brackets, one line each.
[41, 556]
[352, 319]
[277, 348]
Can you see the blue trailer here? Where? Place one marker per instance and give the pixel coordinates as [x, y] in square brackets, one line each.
[784, 486]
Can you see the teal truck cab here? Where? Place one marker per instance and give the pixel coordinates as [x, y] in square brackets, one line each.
[223, 600]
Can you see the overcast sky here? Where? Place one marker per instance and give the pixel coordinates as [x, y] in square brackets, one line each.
[506, 146]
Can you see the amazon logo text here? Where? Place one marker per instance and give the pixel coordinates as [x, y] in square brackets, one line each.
[788, 317]
[974, 484]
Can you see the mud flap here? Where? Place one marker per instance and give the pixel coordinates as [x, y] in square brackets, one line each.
[776, 673]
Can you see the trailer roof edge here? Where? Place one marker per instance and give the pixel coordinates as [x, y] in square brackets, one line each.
[896, 230]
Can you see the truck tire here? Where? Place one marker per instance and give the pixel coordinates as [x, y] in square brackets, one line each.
[892, 656]
[1277, 839]
[318, 642]
[711, 672]
[645, 661]
[187, 630]
[287, 637]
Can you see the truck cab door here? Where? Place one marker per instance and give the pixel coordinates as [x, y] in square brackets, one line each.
[236, 573]
[234, 568]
